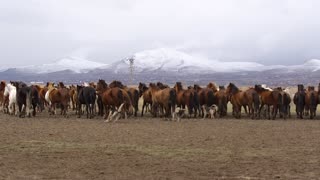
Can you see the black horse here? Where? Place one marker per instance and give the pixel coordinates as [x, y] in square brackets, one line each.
[87, 96]
[27, 98]
[299, 101]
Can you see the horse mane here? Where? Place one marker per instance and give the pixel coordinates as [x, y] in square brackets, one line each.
[103, 83]
[116, 83]
[161, 85]
[310, 88]
[234, 88]
[221, 88]
[61, 85]
[2, 85]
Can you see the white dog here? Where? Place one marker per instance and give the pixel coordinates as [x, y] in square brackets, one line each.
[211, 111]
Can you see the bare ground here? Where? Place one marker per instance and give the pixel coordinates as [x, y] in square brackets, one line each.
[143, 148]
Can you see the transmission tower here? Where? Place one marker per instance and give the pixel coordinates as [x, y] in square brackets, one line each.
[131, 69]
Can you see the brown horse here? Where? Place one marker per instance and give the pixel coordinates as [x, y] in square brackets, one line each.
[2, 98]
[222, 98]
[311, 102]
[299, 101]
[72, 91]
[113, 98]
[162, 86]
[132, 92]
[165, 99]
[206, 97]
[240, 98]
[184, 97]
[42, 93]
[57, 96]
[145, 93]
[270, 98]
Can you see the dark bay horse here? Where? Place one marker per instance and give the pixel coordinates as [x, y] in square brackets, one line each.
[311, 102]
[222, 99]
[270, 98]
[299, 101]
[163, 99]
[87, 96]
[184, 97]
[132, 92]
[206, 97]
[145, 93]
[2, 98]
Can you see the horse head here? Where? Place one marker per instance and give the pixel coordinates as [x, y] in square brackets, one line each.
[232, 89]
[2, 85]
[213, 86]
[178, 86]
[101, 85]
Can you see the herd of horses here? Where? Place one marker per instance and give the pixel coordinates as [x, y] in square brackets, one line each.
[115, 100]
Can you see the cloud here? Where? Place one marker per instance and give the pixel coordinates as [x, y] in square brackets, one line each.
[266, 31]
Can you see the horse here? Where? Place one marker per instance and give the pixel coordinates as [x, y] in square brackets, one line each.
[299, 101]
[311, 102]
[206, 97]
[163, 98]
[222, 98]
[240, 98]
[10, 92]
[42, 93]
[270, 98]
[162, 86]
[23, 98]
[184, 97]
[2, 97]
[55, 96]
[112, 99]
[133, 94]
[72, 92]
[87, 96]
[213, 86]
[145, 92]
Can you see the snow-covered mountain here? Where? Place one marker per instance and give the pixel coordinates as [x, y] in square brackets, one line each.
[176, 61]
[76, 65]
[162, 60]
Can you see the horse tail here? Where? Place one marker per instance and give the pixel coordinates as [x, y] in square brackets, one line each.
[211, 98]
[191, 102]
[172, 97]
[256, 101]
[136, 99]
[313, 102]
[120, 96]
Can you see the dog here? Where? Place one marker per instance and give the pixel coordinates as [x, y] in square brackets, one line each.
[210, 111]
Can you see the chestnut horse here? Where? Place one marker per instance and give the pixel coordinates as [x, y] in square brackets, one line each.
[270, 98]
[55, 96]
[42, 93]
[184, 97]
[132, 92]
[240, 98]
[145, 93]
[311, 101]
[72, 92]
[113, 98]
[163, 99]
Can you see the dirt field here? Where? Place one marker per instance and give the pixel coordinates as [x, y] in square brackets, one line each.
[58, 148]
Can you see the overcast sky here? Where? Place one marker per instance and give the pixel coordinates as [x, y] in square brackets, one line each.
[265, 31]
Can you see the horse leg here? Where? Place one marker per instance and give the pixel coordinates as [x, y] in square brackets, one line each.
[87, 110]
[143, 105]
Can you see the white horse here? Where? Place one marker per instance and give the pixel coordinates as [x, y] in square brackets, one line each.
[11, 91]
